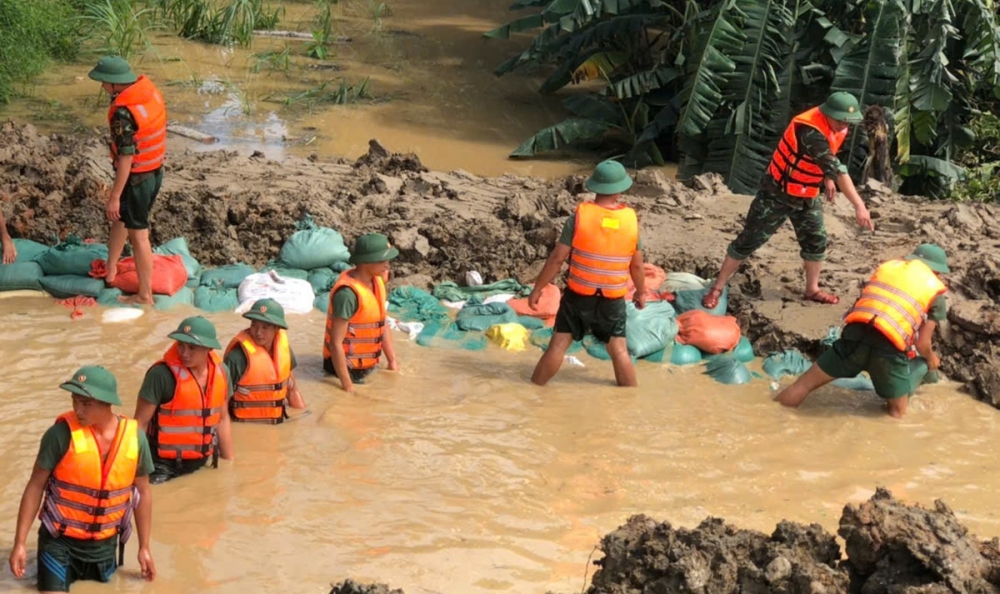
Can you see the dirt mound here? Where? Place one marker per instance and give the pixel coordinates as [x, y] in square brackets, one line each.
[241, 208]
[352, 587]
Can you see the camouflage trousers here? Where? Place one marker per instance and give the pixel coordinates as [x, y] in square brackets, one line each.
[768, 213]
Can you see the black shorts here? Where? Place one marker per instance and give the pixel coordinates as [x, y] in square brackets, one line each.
[58, 567]
[165, 470]
[138, 198]
[601, 316]
[358, 376]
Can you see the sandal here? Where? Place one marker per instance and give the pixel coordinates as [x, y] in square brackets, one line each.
[823, 297]
[711, 299]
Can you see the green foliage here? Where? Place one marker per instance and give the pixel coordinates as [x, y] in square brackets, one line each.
[271, 59]
[331, 92]
[119, 26]
[982, 163]
[229, 23]
[719, 80]
[323, 32]
[32, 33]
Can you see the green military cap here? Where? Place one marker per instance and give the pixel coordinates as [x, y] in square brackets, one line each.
[114, 70]
[94, 381]
[372, 248]
[609, 178]
[933, 256]
[268, 311]
[843, 107]
[196, 331]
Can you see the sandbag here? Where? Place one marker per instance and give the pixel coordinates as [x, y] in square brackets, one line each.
[411, 304]
[649, 329]
[169, 275]
[548, 304]
[790, 362]
[216, 299]
[449, 291]
[743, 352]
[685, 301]
[682, 281]
[20, 276]
[72, 257]
[285, 272]
[530, 323]
[63, 286]
[178, 246]
[313, 247]
[294, 295]
[28, 251]
[712, 334]
[322, 302]
[860, 382]
[726, 369]
[541, 338]
[443, 333]
[108, 297]
[227, 277]
[339, 267]
[185, 296]
[684, 354]
[482, 316]
[654, 278]
[322, 280]
[596, 348]
[511, 337]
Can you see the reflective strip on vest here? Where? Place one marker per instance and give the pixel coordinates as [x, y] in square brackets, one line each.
[604, 242]
[362, 346]
[144, 101]
[185, 427]
[260, 392]
[797, 173]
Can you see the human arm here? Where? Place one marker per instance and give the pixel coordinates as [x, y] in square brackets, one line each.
[337, 335]
[123, 128]
[225, 423]
[31, 501]
[552, 266]
[295, 399]
[389, 350]
[157, 388]
[924, 344]
[6, 243]
[144, 527]
[637, 270]
[818, 148]
[861, 214]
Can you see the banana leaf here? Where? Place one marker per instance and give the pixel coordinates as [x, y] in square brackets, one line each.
[560, 136]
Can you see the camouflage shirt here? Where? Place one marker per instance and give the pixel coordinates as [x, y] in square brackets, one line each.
[816, 146]
[123, 129]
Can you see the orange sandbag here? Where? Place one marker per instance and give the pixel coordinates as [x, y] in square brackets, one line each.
[169, 275]
[655, 276]
[548, 305]
[711, 334]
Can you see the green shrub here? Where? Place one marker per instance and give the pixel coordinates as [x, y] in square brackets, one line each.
[982, 162]
[32, 33]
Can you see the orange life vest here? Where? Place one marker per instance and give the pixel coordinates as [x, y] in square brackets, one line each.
[363, 343]
[88, 498]
[896, 301]
[186, 426]
[791, 166]
[604, 241]
[260, 394]
[144, 101]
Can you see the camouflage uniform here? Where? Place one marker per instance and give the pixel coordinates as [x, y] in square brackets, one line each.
[771, 206]
[141, 190]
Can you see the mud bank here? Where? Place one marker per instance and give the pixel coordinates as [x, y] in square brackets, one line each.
[240, 208]
[890, 548]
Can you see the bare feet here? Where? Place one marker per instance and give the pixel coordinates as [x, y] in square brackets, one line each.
[711, 299]
[821, 296]
[135, 300]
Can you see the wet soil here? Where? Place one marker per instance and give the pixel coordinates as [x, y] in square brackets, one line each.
[240, 207]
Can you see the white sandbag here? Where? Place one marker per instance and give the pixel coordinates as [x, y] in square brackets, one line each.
[411, 328]
[121, 314]
[295, 295]
[498, 298]
[683, 281]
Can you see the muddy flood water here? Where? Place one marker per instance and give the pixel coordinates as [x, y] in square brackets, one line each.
[457, 475]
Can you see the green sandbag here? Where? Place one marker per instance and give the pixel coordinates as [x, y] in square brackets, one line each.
[322, 302]
[178, 246]
[28, 251]
[790, 362]
[726, 369]
[482, 316]
[649, 329]
[322, 280]
[445, 334]
[227, 277]
[450, 291]
[832, 335]
[72, 257]
[689, 300]
[64, 286]
[743, 351]
[596, 348]
[287, 272]
[313, 247]
[860, 382]
[531, 323]
[108, 297]
[410, 304]
[660, 356]
[216, 298]
[19, 276]
[183, 297]
[684, 354]
[339, 267]
[541, 337]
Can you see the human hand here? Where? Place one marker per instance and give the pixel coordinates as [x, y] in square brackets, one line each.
[933, 362]
[347, 386]
[830, 188]
[9, 251]
[114, 209]
[864, 218]
[18, 560]
[639, 299]
[393, 365]
[146, 565]
[536, 294]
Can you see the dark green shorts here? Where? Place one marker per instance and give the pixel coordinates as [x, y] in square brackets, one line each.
[138, 198]
[893, 374]
[165, 470]
[58, 566]
[603, 317]
[358, 376]
[768, 212]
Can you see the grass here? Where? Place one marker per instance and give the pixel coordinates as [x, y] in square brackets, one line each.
[120, 24]
[31, 34]
[378, 10]
[232, 23]
[329, 93]
[323, 32]
[272, 60]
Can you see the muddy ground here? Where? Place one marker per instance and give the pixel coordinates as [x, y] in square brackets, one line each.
[890, 548]
[240, 208]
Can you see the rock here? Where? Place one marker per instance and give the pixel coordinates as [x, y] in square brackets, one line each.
[986, 381]
[963, 217]
[777, 570]
[980, 316]
[420, 281]
[411, 243]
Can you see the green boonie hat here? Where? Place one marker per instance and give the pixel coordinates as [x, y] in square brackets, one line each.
[114, 70]
[843, 107]
[933, 256]
[198, 331]
[268, 311]
[94, 381]
[371, 248]
[609, 178]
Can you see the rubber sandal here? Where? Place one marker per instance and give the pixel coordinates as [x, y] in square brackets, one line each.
[823, 297]
[711, 299]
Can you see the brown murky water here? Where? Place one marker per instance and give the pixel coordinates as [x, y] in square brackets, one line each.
[430, 71]
[457, 475]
